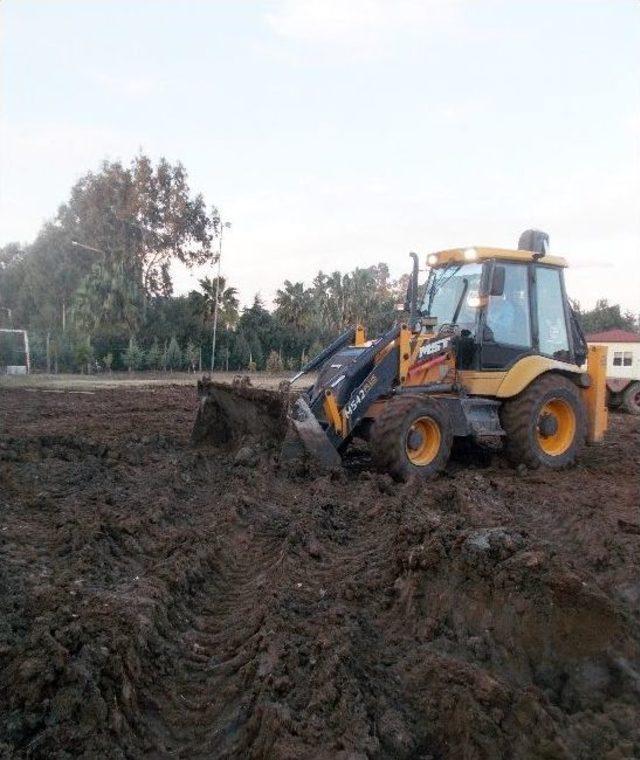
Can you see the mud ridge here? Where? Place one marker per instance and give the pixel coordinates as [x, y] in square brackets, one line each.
[162, 601]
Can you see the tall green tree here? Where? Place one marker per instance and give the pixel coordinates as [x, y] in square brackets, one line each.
[11, 279]
[108, 296]
[144, 216]
[38, 282]
[606, 316]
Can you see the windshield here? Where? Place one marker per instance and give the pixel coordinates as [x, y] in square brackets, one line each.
[452, 295]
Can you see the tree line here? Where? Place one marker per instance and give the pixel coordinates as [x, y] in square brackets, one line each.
[606, 316]
[94, 289]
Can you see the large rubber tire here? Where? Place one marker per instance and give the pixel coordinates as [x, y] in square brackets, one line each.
[550, 396]
[412, 436]
[631, 398]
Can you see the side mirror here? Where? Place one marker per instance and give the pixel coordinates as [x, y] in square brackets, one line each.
[497, 281]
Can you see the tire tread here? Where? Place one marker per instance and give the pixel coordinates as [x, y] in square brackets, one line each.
[388, 431]
[516, 417]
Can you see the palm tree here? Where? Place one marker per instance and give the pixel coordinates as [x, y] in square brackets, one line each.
[320, 301]
[293, 304]
[337, 286]
[228, 304]
[362, 294]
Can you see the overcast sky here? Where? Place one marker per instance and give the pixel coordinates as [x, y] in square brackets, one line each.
[335, 134]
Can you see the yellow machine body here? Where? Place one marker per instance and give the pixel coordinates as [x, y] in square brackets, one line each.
[595, 396]
[466, 255]
[441, 375]
[493, 384]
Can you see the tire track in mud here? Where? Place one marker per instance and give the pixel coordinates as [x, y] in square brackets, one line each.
[193, 707]
[276, 640]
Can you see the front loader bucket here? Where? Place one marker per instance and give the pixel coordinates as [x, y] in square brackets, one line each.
[235, 415]
[230, 415]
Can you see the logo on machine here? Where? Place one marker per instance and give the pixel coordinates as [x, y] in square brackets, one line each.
[359, 397]
[433, 348]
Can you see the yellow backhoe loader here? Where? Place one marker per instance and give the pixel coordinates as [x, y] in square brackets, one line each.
[490, 347]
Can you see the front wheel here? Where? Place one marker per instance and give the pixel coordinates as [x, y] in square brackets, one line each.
[412, 436]
[545, 424]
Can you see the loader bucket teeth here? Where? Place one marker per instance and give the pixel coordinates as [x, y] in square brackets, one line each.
[305, 434]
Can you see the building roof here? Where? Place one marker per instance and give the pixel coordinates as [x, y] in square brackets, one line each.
[462, 255]
[614, 336]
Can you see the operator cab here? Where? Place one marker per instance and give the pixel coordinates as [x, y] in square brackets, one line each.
[502, 305]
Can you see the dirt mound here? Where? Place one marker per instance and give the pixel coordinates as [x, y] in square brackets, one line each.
[239, 414]
[160, 600]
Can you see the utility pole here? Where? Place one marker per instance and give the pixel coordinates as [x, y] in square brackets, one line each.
[223, 226]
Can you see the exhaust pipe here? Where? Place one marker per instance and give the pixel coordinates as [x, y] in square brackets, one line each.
[413, 314]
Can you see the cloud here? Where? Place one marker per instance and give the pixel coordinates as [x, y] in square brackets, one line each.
[40, 162]
[362, 26]
[130, 86]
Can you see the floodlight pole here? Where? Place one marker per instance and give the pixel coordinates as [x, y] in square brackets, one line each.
[87, 247]
[223, 225]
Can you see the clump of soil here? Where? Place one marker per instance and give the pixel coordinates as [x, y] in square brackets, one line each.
[232, 416]
[159, 600]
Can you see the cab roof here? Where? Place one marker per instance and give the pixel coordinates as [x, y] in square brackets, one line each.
[473, 253]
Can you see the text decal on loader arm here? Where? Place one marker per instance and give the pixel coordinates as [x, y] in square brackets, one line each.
[360, 396]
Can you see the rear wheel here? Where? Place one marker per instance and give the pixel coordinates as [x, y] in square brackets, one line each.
[412, 436]
[631, 398]
[545, 424]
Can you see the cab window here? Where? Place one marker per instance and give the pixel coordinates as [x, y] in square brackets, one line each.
[508, 314]
[452, 295]
[552, 325]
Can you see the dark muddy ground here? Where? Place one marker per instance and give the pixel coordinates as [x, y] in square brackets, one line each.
[158, 601]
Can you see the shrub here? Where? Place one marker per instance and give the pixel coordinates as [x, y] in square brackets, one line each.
[83, 356]
[173, 355]
[191, 356]
[153, 358]
[293, 363]
[134, 355]
[274, 362]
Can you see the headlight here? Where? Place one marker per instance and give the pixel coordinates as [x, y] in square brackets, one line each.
[432, 260]
[470, 254]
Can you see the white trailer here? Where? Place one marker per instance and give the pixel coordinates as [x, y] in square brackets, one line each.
[623, 367]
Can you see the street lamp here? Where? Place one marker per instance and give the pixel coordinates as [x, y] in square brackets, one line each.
[87, 247]
[223, 226]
